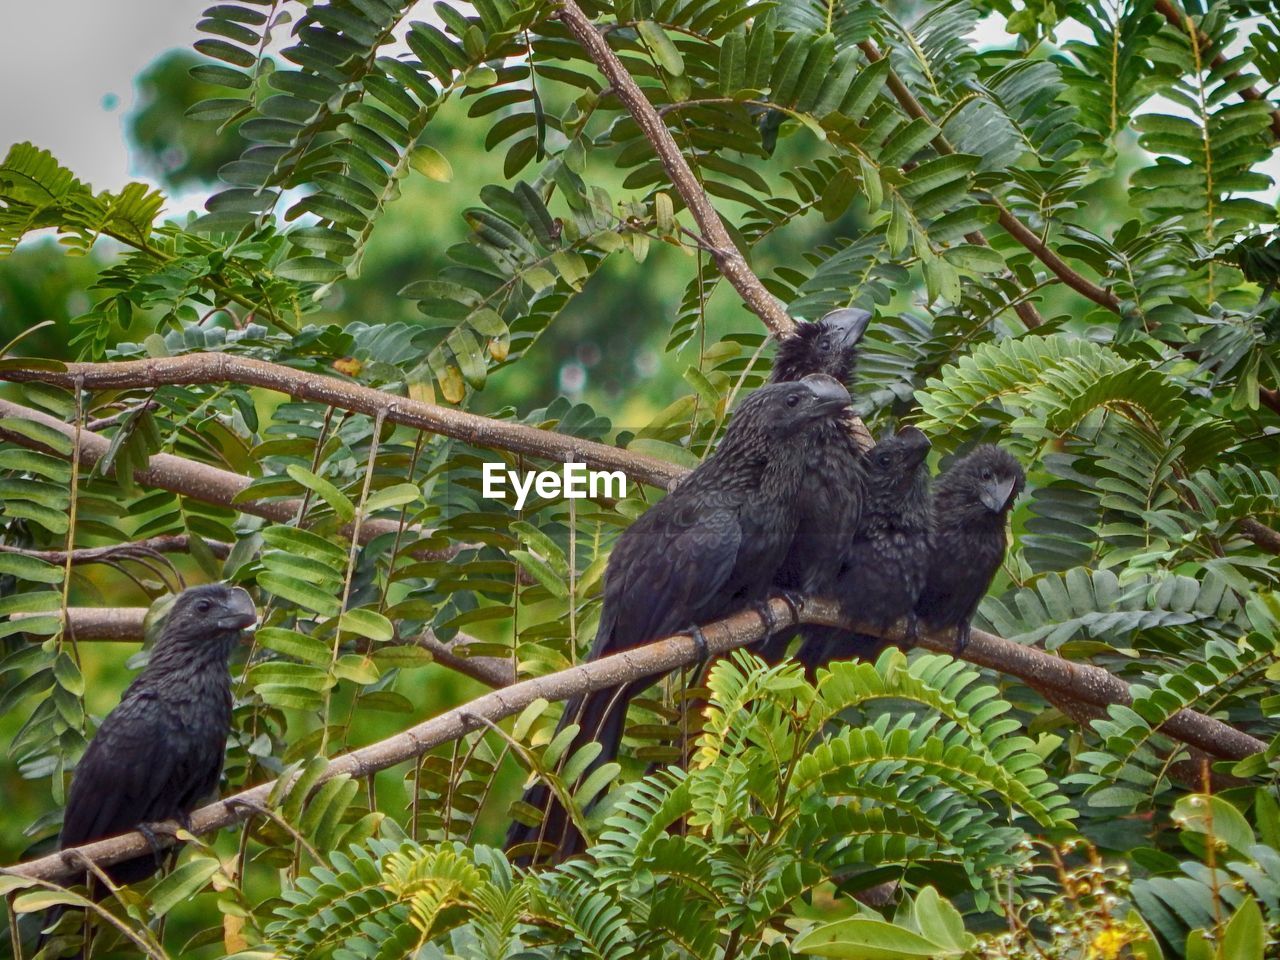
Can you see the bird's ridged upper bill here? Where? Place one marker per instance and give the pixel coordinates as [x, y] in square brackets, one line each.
[238, 613]
[829, 392]
[995, 493]
[848, 324]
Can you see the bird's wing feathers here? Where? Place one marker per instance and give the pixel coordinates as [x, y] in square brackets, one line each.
[676, 564]
[123, 773]
[960, 573]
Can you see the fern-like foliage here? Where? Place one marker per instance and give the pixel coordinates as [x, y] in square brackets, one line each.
[735, 844]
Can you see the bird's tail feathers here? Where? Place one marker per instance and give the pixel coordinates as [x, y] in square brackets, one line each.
[601, 717]
[820, 646]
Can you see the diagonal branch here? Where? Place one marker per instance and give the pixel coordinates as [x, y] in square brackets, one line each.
[197, 368]
[1169, 10]
[1065, 684]
[727, 256]
[1012, 225]
[1089, 684]
[187, 478]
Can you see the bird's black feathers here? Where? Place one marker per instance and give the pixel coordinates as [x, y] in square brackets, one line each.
[830, 498]
[711, 547]
[826, 346]
[970, 504]
[159, 752]
[888, 559]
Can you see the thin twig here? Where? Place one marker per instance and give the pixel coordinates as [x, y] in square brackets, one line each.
[1012, 225]
[721, 246]
[151, 546]
[1183, 22]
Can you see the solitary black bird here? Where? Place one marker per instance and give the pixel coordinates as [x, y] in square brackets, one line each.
[159, 753]
[888, 560]
[709, 548]
[830, 498]
[971, 504]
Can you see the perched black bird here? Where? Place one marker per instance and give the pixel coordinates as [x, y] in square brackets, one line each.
[159, 753]
[888, 560]
[971, 504]
[830, 498]
[709, 548]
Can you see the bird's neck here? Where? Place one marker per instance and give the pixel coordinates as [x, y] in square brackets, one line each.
[205, 661]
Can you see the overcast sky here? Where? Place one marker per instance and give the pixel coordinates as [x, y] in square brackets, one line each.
[75, 106]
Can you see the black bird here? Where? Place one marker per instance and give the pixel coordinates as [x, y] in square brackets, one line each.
[709, 548]
[971, 504]
[831, 491]
[159, 753]
[888, 560]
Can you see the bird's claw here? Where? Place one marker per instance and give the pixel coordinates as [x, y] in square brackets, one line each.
[700, 641]
[963, 634]
[157, 851]
[764, 608]
[764, 611]
[794, 600]
[912, 634]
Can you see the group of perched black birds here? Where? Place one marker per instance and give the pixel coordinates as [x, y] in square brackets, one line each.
[804, 510]
[790, 502]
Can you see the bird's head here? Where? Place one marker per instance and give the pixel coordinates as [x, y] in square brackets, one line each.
[784, 410]
[214, 610]
[988, 478]
[898, 457]
[829, 346]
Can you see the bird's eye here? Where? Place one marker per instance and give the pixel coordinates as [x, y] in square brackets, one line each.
[986, 474]
[793, 399]
[203, 606]
[825, 343]
[883, 459]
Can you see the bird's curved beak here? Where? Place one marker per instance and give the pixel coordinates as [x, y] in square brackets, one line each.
[829, 392]
[848, 324]
[238, 613]
[918, 448]
[995, 494]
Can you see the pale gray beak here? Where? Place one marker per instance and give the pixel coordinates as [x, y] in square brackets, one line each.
[995, 494]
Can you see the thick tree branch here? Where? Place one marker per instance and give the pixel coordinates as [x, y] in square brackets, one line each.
[727, 256]
[1183, 22]
[114, 624]
[482, 431]
[1079, 690]
[188, 478]
[206, 368]
[1089, 684]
